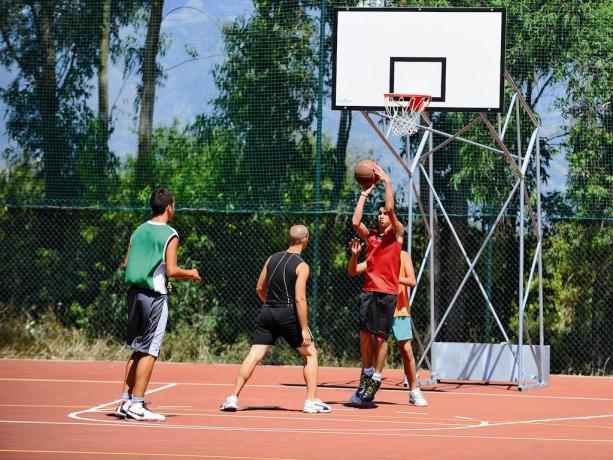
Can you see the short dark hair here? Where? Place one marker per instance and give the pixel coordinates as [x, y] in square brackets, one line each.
[381, 205]
[160, 199]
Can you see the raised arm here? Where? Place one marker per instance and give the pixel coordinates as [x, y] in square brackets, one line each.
[262, 285]
[356, 220]
[407, 276]
[302, 272]
[172, 269]
[354, 268]
[390, 207]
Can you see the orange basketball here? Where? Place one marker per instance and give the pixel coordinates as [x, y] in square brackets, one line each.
[364, 173]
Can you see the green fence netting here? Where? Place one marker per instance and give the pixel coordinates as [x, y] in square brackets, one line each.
[228, 104]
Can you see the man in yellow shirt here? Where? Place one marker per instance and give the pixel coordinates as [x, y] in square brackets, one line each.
[401, 326]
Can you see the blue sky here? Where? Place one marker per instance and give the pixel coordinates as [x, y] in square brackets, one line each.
[189, 87]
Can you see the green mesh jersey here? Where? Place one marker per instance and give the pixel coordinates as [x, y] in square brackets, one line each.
[146, 266]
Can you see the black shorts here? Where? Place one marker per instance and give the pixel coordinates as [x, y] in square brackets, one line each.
[377, 312]
[277, 322]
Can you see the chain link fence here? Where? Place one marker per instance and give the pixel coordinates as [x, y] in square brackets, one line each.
[243, 133]
[75, 271]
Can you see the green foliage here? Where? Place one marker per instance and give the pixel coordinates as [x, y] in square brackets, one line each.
[52, 45]
[578, 293]
[245, 172]
[267, 93]
[588, 113]
[44, 336]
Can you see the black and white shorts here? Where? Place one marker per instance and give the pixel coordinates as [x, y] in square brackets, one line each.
[377, 312]
[147, 318]
[277, 322]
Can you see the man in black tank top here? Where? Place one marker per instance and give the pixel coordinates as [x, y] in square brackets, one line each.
[282, 289]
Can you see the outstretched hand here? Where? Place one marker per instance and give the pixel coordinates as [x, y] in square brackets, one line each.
[195, 275]
[355, 245]
[380, 173]
[366, 191]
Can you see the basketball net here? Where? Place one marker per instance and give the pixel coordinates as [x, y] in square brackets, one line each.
[403, 110]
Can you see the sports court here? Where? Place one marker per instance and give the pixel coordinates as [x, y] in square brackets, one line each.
[491, 121]
[63, 409]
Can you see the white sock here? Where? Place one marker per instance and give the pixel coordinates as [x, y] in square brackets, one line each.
[369, 371]
[376, 377]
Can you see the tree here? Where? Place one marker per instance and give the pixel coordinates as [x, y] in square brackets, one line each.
[52, 45]
[578, 284]
[103, 87]
[267, 92]
[147, 93]
[95, 163]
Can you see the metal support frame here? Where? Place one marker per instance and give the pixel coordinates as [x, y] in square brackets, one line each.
[519, 164]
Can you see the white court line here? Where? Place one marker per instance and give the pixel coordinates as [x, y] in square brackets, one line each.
[439, 425]
[286, 430]
[75, 415]
[321, 388]
[545, 420]
[323, 418]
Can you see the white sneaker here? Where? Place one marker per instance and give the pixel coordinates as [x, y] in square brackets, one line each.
[122, 408]
[313, 406]
[141, 413]
[417, 398]
[230, 404]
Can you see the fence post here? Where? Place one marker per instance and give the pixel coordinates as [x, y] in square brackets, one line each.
[318, 149]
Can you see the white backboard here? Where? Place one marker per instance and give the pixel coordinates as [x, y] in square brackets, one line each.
[456, 55]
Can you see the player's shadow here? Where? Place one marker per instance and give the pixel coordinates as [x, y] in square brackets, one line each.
[350, 385]
[454, 385]
[112, 415]
[368, 405]
[363, 406]
[338, 385]
[275, 408]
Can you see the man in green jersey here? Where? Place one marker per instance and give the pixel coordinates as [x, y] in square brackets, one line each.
[151, 259]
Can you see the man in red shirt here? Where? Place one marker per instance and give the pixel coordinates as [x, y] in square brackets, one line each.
[379, 294]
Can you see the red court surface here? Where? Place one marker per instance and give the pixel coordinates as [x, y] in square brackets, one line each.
[62, 409]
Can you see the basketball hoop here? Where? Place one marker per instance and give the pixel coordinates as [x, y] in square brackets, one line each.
[403, 110]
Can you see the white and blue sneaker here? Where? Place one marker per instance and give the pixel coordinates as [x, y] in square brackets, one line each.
[122, 408]
[141, 413]
[314, 406]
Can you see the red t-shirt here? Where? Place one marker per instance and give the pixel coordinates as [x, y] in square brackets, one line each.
[382, 262]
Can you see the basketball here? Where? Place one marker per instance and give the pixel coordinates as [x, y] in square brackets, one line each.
[364, 173]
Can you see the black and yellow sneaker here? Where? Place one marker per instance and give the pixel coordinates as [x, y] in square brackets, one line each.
[370, 390]
[356, 397]
[364, 379]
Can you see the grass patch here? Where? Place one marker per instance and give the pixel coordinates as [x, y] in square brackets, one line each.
[23, 335]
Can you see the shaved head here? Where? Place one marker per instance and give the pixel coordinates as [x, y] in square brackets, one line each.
[297, 233]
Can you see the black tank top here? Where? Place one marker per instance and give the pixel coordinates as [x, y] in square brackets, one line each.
[281, 277]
